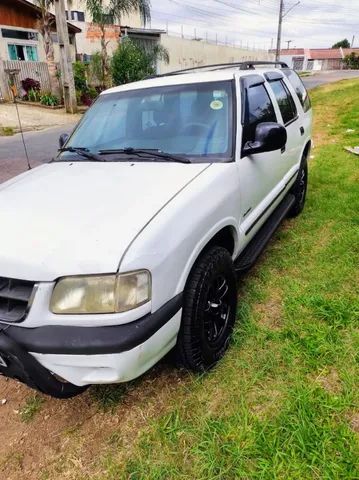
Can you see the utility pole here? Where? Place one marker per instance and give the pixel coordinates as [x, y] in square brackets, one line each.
[67, 76]
[353, 40]
[282, 14]
[288, 42]
[279, 34]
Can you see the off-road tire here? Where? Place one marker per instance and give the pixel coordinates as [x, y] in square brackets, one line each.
[299, 190]
[210, 293]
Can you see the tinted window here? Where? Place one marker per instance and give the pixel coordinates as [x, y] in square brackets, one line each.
[299, 88]
[285, 100]
[258, 109]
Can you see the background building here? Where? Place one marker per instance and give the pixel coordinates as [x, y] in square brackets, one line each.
[316, 58]
[19, 35]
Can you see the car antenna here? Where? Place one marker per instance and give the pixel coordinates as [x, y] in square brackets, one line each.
[13, 88]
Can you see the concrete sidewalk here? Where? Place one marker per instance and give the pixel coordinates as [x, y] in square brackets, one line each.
[34, 118]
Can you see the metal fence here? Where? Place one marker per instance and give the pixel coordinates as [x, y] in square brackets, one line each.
[36, 70]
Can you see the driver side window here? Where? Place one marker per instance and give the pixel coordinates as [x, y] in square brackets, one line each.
[258, 109]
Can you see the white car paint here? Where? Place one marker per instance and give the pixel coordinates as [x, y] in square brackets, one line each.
[90, 218]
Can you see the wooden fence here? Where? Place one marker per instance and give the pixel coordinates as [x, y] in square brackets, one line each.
[36, 70]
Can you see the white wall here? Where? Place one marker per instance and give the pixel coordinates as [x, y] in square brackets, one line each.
[185, 53]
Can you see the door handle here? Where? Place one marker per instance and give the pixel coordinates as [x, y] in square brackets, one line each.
[302, 130]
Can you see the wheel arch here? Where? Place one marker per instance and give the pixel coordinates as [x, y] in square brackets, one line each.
[306, 150]
[226, 236]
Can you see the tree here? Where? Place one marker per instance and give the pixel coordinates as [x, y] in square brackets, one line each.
[131, 62]
[45, 24]
[104, 14]
[342, 44]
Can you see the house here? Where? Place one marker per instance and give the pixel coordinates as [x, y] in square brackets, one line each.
[316, 58]
[19, 35]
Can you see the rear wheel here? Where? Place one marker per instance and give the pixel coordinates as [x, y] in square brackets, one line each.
[299, 190]
[209, 311]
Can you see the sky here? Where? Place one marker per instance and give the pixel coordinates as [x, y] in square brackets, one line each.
[254, 23]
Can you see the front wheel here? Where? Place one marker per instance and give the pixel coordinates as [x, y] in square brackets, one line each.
[299, 190]
[209, 311]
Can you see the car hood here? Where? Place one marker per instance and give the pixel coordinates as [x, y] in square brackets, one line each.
[79, 218]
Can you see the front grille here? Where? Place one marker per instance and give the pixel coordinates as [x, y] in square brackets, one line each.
[15, 296]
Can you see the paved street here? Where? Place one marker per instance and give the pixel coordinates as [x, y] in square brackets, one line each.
[41, 146]
[329, 77]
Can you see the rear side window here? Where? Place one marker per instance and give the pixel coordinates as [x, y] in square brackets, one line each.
[285, 101]
[299, 89]
[258, 109]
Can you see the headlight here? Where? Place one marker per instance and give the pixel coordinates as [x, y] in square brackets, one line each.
[101, 294]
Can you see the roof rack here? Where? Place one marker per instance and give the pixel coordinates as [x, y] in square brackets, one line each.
[249, 65]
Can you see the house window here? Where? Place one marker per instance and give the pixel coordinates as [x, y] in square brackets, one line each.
[77, 16]
[19, 34]
[23, 52]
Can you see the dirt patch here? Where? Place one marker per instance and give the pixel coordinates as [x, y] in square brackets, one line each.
[354, 422]
[66, 438]
[266, 403]
[330, 381]
[270, 312]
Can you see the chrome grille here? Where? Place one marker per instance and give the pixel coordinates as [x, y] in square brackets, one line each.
[15, 296]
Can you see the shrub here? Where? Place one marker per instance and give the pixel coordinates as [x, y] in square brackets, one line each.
[30, 84]
[49, 99]
[131, 62]
[79, 69]
[33, 95]
[352, 61]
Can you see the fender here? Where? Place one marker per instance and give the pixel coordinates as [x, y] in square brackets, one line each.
[171, 243]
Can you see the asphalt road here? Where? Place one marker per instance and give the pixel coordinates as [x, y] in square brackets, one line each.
[42, 145]
[328, 77]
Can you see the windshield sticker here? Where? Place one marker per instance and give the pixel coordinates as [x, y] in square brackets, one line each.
[219, 94]
[216, 105]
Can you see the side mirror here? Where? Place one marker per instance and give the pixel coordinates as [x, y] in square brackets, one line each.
[63, 139]
[269, 136]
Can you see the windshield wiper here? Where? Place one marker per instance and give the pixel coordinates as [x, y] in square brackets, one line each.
[145, 153]
[82, 152]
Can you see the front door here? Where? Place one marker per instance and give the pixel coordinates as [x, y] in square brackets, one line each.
[259, 175]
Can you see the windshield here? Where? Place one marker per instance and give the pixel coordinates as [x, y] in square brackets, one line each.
[194, 121]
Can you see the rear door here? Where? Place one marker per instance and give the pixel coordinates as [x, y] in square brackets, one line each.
[291, 119]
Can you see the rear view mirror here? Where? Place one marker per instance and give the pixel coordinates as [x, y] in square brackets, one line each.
[63, 139]
[269, 137]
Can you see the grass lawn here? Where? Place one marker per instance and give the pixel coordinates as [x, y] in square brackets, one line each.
[284, 402]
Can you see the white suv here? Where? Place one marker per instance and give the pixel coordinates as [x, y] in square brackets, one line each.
[128, 244]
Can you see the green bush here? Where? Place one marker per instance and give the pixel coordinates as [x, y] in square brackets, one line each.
[352, 61]
[79, 69]
[49, 100]
[33, 95]
[131, 62]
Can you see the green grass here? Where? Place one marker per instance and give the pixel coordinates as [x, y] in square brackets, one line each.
[6, 131]
[31, 408]
[281, 403]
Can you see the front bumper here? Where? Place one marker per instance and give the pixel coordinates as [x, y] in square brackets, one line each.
[85, 355]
